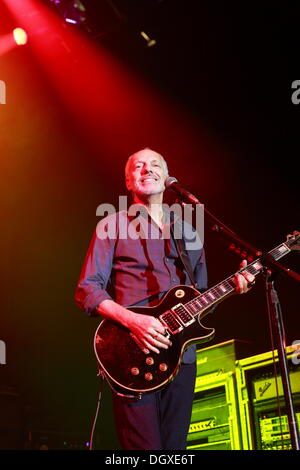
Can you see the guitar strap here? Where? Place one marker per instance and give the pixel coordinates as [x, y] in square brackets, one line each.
[181, 249]
[180, 245]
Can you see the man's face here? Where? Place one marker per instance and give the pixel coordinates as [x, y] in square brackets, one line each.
[146, 173]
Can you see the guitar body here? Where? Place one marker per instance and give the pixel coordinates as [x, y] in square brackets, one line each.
[128, 369]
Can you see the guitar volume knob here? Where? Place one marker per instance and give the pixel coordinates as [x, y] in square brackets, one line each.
[150, 361]
[163, 367]
[135, 371]
[148, 376]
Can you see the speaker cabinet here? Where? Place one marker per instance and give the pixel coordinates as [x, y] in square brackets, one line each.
[214, 424]
[264, 423]
[239, 401]
[215, 421]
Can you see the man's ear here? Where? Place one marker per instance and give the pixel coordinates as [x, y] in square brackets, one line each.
[128, 185]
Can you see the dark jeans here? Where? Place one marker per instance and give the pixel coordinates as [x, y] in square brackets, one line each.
[160, 420]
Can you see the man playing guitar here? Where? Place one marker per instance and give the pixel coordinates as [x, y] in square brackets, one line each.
[120, 272]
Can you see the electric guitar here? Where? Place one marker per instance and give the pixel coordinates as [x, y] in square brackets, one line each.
[131, 372]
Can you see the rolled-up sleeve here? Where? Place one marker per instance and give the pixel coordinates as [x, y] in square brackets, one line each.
[95, 274]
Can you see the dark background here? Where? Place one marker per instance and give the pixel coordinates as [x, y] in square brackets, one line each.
[227, 68]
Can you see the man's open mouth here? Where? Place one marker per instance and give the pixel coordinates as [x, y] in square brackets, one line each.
[149, 178]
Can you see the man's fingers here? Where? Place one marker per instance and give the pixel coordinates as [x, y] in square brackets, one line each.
[241, 283]
[151, 334]
[244, 282]
[158, 327]
[159, 340]
[151, 346]
[144, 345]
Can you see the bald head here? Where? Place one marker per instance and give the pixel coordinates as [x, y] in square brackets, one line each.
[146, 172]
[145, 151]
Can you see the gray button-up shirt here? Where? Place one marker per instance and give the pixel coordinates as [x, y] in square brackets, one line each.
[132, 261]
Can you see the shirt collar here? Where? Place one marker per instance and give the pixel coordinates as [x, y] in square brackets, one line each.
[137, 210]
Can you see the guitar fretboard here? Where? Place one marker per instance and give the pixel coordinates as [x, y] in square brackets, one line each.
[183, 315]
[226, 287]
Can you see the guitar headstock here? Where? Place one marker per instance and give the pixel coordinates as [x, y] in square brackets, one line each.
[294, 241]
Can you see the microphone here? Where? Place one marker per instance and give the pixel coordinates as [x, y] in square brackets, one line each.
[172, 183]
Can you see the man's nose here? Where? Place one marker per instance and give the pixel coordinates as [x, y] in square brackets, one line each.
[147, 168]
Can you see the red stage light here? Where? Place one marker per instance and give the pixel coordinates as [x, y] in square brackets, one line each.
[20, 36]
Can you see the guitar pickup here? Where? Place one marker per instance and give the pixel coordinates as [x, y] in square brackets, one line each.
[177, 318]
[169, 320]
[183, 314]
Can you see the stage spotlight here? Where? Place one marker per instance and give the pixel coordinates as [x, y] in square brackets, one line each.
[20, 36]
[73, 11]
[149, 42]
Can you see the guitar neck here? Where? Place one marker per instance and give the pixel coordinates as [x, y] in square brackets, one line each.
[228, 286]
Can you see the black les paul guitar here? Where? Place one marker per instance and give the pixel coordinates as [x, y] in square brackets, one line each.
[130, 371]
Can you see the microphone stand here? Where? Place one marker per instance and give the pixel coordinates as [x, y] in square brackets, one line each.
[275, 313]
[274, 308]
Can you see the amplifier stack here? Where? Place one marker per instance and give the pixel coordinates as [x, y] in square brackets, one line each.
[239, 403]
